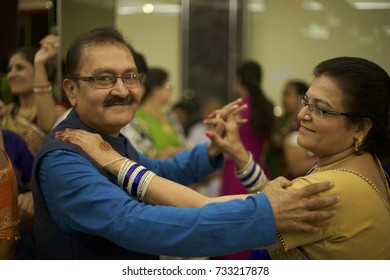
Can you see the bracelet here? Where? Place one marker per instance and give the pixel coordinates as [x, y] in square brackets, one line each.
[134, 178]
[145, 185]
[122, 171]
[252, 176]
[129, 172]
[244, 170]
[112, 161]
[131, 187]
[47, 89]
[42, 85]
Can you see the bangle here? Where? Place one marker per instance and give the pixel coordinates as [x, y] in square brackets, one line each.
[112, 161]
[42, 85]
[145, 185]
[252, 176]
[244, 170]
[47, 89]
[123, 169]
[134, 178]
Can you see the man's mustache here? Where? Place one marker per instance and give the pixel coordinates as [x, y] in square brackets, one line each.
[116, 100]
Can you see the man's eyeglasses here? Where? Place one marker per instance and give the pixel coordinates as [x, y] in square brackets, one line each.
[304, 101]
[105, 81]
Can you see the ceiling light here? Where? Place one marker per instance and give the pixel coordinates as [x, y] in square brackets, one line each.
[369, 5]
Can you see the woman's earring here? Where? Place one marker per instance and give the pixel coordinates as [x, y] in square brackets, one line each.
[358, 142]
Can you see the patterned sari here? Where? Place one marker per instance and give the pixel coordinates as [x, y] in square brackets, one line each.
[9, 219]
[26, 126]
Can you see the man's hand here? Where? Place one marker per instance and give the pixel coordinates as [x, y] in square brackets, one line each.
[294, 210]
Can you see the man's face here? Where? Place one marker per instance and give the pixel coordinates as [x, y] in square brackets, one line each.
[109, 109]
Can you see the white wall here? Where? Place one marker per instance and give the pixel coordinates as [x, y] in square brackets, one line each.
[278, 39]
[157, 37]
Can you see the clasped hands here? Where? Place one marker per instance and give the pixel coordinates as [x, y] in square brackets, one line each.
[224, 132]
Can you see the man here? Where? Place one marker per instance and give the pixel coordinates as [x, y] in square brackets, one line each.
[80, 211]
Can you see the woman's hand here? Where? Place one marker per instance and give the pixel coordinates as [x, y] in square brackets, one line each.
[48, 50]
[225, 135]
[94, 145]
[233, 108]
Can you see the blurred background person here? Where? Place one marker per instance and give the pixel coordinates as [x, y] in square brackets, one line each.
[30, 75]
[298, 159]
[9, 219]
[211, 186]
[285, 157]
[35, 110]
[159, 134]
[22, 162]
[255, 134]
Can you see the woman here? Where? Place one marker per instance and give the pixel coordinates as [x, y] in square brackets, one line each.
[34, 111]
[9, 220]
[255, 134]
[345, 122]
[153, 131]
[298, 160]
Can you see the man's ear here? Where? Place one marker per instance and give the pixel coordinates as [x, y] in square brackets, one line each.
[70, 89]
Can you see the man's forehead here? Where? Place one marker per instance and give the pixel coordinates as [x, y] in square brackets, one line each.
[94, 56]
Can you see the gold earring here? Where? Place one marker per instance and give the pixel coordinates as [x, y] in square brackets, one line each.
[358, 142]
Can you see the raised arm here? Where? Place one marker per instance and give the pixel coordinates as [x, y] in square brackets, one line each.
[47, 110]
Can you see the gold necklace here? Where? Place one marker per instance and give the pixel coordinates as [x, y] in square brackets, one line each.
[330, 165]
[28, 113]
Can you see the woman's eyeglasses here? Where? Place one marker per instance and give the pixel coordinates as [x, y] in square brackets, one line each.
[304, 101]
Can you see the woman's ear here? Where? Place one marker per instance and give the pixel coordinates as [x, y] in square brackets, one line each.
[70, 89]
[363, 128]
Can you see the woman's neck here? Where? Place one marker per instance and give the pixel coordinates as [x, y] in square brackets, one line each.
[152, 105]
[27, 100]
[326, 160]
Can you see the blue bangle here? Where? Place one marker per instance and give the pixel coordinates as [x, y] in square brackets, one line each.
[254, 181]
[128, 174]
[250, 173]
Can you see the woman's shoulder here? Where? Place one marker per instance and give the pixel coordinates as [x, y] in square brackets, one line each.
[345, 181]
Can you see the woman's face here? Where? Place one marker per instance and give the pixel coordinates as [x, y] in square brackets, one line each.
[163, 93]
[330, 134]
[20, 75]
[290, 100]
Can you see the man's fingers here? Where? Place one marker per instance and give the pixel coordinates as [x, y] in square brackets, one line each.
[321, 202]
[283, 182]
[316, 188]
[315, 216]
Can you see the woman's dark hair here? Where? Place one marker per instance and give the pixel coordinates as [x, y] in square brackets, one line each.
[156, 77]
[97, 36]
[28, 53]
[366, 94]
[249, 74]
[300, 86]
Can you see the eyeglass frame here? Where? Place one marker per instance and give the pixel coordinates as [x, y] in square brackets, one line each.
[139, 77]
[303, 102]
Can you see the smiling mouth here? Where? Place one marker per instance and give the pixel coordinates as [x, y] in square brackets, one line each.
[305, 128]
